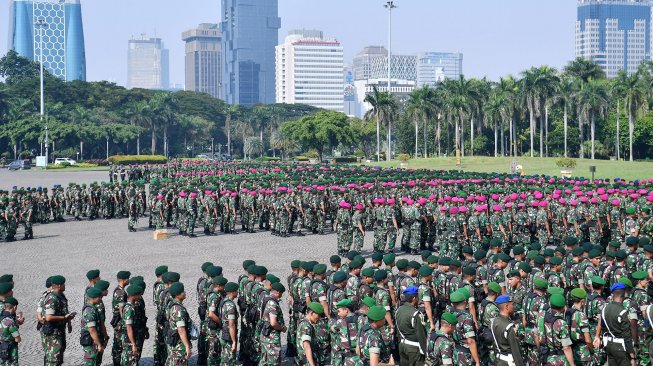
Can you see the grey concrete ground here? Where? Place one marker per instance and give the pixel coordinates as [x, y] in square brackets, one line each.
[72, 248]
[36, 177]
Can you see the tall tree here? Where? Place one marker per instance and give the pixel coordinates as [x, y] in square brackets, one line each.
[635, 93]
[592, 100]
[421, 108]
[384, 107]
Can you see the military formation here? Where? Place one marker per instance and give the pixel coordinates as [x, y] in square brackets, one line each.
[511, 270]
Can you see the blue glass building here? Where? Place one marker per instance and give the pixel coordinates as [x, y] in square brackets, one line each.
[616, 34]
[250, 33]
[62, 35]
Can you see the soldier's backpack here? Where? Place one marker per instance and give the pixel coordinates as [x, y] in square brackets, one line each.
[430, 344]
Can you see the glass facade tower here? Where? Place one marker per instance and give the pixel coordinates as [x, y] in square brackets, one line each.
[250, 33]
[616, 34]
[62, 35]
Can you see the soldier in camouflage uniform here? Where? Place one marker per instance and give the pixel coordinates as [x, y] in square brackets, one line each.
[555, 338]
[192, 210]
[57, 317]
[534, 306]
[373, 350]
[118, 301]
[9, 333]
[229, 321]
[579, 329]
[440, 345]
[358, 228]
[91, 328]
[640, 299]
[178, 342]
[28, 218]
[133, 211]
[130, 351]
[214, 321]
[466, 353]
[343, 228]
[593, 306]
[343, 329]
[11, 220]
[273, 326]
[415, 220]
[306, 338]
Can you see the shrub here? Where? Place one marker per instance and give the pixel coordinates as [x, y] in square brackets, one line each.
[64, 164]
[137, 159]
[269, 158]
[55, 167]
[345, 159]
[97, 162]
[312, 154]
[566, 163]
[85, 165]
[404, 157]
[301, 158]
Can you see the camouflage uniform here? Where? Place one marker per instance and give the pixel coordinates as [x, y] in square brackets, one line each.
[271, 342]
[577, 328]
[9, 331]
[91, 319]
[118, 300]
[464, 330]
[556, 333]
[343, 334]
[593, 306]
[344, 230]
[128, 358]
[227, 312]
[370, 341]
[178, 317]
[305, 332]
[640, 299]
[357, 219]
[440, 349]
[213, 329]
[54, 343]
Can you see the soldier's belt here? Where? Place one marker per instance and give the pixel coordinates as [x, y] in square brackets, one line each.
[508, 358]
[410, 343]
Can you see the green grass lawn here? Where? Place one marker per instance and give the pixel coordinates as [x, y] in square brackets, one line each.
[604, 168]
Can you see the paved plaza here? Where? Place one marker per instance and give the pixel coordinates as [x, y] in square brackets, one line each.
[72, 248]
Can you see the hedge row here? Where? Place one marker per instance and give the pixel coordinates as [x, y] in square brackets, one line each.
[137, 159]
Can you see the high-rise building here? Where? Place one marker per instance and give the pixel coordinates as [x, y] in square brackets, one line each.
[309, 70]
[203, 59]
[434, 67]
[61, 46]
[362, 67]
[148, 64]
[615, 34]
[250, 33]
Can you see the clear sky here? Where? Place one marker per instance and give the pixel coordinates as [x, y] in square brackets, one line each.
[497, 37]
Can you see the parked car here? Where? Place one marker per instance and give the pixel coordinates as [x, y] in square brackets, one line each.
[59, 161]
[19, 165]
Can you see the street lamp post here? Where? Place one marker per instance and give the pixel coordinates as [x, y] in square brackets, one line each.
[41, 24]
[389, 5]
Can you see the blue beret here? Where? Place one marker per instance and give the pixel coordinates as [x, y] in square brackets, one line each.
[503, 299]
[412, 290]
[617, 286]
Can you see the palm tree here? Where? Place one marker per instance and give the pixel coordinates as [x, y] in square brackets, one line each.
[592, 99]
[461, 96]
[564, 91]
[634, 91]
[529, 96]
[509, 90]
[583, 69]
[232, 112]
[421, 107]
[384, 106]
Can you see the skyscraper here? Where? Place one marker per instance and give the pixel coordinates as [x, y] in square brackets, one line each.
[250, 33]
[309, 70]
[203, 59]
[62, 42]
[363, 61]
[148, 64]
[433, 67]
[616, 34]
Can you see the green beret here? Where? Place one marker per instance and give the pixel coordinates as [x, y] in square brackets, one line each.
[206, 265]
[335, 259]
[247, 263]
[425, 254]
[555, 261]
[376, 313]
[432, 259]
[136, 279]
[518, 250]
[94, 273]
[539, 260]
[555, 290]
[494, 287]
[6, 287]
[343, 303]
[403, 264]
[577, 251]
[132, 290]
[597, 280]
[480, 254]
[123, 275]
[570, 241]
[621, 254]
[557, 301]
[610, 254]
[643, 241]
[536, 246]
[369, 302]
[351, 255]
[639, 275]
[262, 271]
[468, 250]
[630, 211]
[495, 243]
[625, 281]
[425, 271]
[414, 265]
[9, 278]
[102, 285]
[632, 241]
[457, 297]
[231, 287]
[252, 268]
[316, 307]
[444, 261]
[11, 301]
[368, 272]
[278, 286]
[450, 318]
[57, 280]
[380, 275]
[614, 244]
[389, 258]
[377, 256]
[525, 267]
[594, 253]
[160, 270]
[296, 264]
[93, 293]
[176, 289]
[339, 276]
[213, 271]
[579, 293]
[320, 269]
[219, 280]
[561, 250]
[513, 273]
[171, 277]
[532, 254]
[648, 248]
[549, 252]
[469, 271]
[455, 263]
[540, 283]
[272, 278]
[355, 264]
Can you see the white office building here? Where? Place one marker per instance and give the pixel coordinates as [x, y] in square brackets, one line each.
[309, 70]
[434, 67]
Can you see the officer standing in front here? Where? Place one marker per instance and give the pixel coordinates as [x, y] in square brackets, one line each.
[412, 334]
[618, 340]
[503, 332]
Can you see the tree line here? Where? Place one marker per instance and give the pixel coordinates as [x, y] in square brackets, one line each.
[573, 112]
